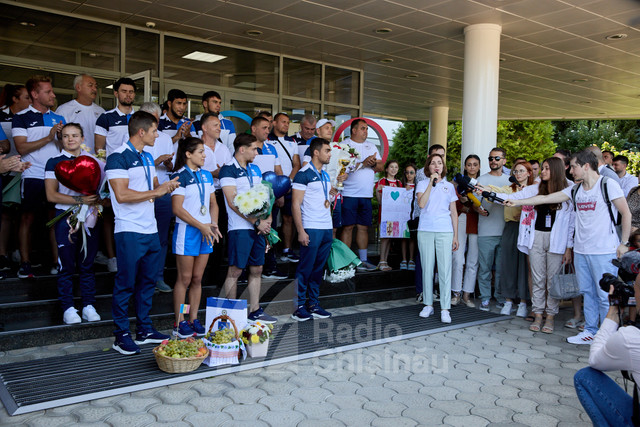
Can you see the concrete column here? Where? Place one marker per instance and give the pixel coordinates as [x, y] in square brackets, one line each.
[438, 121]
[480, 97]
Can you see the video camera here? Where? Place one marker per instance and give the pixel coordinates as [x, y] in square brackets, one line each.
[621, 291]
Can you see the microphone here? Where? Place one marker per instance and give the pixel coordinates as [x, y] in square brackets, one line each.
[491, 196]
[435, 181]
[473, 199]
[514, 180]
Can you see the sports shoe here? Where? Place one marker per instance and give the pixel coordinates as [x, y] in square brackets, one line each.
[289, 256]
[485, 305]
[198, 328]
[151, 336]
[301, 314]
[55, 269]
[100, 259]
[112, 265]
[445, 317]
[260, 315]
[125, 345]
[366, 266]
[318, 312]
[90, 314]
[455, 299]
[411, 266]
[70, 316]
[419, 297]
[15, 256]
[274, 274]
[25, 271]
[161, 286]
[506, 309]
[403, 265]
[426, 311]
[499, 305]
[584, 337]
[183, 330]
[522, 310]
[469, 303]
[4, 263]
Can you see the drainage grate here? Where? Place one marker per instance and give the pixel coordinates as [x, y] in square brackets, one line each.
[51, 382]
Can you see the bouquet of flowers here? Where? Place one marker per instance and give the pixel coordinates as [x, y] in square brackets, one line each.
[341, 264]
[257, 203]
[344, 159]
[256, 333]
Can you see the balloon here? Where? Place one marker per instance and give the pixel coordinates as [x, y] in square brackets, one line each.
[281, 184]
[81, 174]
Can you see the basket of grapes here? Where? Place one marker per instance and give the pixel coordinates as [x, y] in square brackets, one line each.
[224, 345]
[175, 356]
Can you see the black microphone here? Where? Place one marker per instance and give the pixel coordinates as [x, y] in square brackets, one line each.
[435, 181]
[491, 196]
[514, 180]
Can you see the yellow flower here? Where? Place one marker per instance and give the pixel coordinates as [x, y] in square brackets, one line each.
[255, 339]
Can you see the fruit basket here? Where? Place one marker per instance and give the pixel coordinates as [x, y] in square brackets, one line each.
[224, 345]
[174, 356]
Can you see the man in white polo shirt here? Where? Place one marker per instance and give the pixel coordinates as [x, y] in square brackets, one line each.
[35, 131]
[358, 191]
[134, 187]
[83, 110]
[212, 103]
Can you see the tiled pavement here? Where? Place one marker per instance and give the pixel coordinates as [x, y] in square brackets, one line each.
[492, 374]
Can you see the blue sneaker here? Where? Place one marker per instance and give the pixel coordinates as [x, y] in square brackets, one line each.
[260, 315]
[198, 328]
[301, 314]
[150, 337]
[183, 330]
[319, 312]
[125, 345]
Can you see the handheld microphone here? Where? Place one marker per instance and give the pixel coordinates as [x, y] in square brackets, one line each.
[472, 197]
[514, 180]
[491, 196]
[435, 181]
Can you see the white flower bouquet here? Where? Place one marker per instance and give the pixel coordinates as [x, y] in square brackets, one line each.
[257, 203]
[344, 159]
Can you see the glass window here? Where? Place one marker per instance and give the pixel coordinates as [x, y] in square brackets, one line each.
[31, 34]
[340, 115]
[342, 86]
[233, 68]
[297, 109]
[142, 51]
[250, 108]
[301, 79]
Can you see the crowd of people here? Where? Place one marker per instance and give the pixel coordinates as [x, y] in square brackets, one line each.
[164, 168]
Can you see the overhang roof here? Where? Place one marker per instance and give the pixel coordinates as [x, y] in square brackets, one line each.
[556, 61]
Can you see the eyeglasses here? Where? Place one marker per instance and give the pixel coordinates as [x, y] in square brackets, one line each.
[410, 172]
[520, 171]
[496, 158]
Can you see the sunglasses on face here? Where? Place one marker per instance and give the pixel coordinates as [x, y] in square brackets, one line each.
[496, 158]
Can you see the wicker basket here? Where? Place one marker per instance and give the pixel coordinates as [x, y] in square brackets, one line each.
[174, 365]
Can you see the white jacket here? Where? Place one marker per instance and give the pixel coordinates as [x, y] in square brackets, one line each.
[561, 232]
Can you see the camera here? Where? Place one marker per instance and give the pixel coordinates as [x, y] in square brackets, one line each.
[621, 291]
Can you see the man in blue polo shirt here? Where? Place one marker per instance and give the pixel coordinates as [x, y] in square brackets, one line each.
[246, 235]
[35, 130]
[173, 122]
[311, 210]
[134, 187]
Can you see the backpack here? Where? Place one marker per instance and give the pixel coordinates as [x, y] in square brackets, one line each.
[605, 196]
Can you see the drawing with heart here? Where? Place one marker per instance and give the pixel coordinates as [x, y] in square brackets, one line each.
[395, 195]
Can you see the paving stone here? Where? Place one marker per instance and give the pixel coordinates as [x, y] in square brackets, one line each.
[560, 390]
[413, 400]
[573, 402]
[440, 392]
[428, 379]
[494, 362]
[314, 394]
[241, 423]
[486, 379]
[523, 384]
[348, 402]
[465, 421]
[464, 385]
[495, 414]
[6, 419]
[93, 413]
[280, 403]
[473, 367]
[478, 399]
[131, 420]
[92, 424]
[245, 395]
[282, 418]
[387, 409]
[244, 381]
[524, 406]
[246, 412]
[271, 388]
[573, 424]
[452, 407]
[543, 378]
[342, 387]
[172, 396]
[316, 411]
[462, 357]
[393, 422]
[210, 403]
[138, 404]
[374, 394]
[516, 344]
[307, 380]
[168, 412]
[541, 397]
[507, 373]
[425, 414]
[381, 377]
[480, 352]
[402, 386]
[354, 416]
[210, 388]
[515, 357]
[560, 412]
[538, 420]
[321, 423]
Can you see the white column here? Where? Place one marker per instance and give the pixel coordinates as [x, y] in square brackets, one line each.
[438, 121]
[480, 97]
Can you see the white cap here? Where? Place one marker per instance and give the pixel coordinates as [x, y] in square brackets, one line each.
[323, 122]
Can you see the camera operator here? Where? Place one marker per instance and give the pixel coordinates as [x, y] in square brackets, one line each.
[613, 348]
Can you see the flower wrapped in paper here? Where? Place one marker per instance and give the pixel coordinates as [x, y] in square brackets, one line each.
[341, 264]
[257, 203]
[344, 159]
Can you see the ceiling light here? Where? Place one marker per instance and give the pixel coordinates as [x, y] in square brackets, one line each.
[331, 91]
[616, 36]
[109, 87]
[385, 60]
[253, 33]
[580, 80]
[93, 54]
[150, 24]
[411, 76]
[502, 59]
[27, 24]
[383, 30]
[585, 102]
[203, 56]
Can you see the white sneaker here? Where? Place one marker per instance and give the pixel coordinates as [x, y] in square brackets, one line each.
[426, 311]
[445, 317]
[522, 310]
[90, 314]
[112, 265]
[584, 337]
[506, 310]
[101, 259]
[71, 317]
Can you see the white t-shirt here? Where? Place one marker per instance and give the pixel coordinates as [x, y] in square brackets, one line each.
[286, 148]
[627, 182]
[436, 215]
[216, 159]
[163, 145]
[360, 183]
[595, 232]
[85, 115]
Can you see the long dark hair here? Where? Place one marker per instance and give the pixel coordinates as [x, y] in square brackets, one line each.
[189, 144]
[557, 179]
[404, 176]
[470, 156]
[8, 93]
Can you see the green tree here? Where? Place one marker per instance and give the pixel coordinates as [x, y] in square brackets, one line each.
[576, 135]
[531, 139]
[410, 142]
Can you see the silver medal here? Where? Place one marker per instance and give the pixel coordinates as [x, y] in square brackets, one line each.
[203, 210]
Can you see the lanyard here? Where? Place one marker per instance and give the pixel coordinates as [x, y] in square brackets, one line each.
[199, 183]
[322, 181]
[247, 171]
[145, 165]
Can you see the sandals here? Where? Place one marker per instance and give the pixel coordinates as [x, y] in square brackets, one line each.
[537, 323]
[548, 325]
[572, 323]
[383, 266]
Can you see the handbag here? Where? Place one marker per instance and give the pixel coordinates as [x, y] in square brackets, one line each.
[564, 285]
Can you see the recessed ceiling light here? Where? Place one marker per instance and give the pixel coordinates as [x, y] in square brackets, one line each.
[383, 30]
[585, 102]
[27, 24]
[150, 24]
[580, 80]
[411, 76]
[253, 33]
[203, 56]
[93, 54]
[616, 36]
[331, 91]
[386, 60]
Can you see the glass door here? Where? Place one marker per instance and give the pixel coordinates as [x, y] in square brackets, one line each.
[143, 86]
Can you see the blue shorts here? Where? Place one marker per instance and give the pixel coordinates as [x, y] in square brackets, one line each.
[356, 210]
[187, 240]
[286, 208]
[33, 195]
[246, 247]
[336, 216]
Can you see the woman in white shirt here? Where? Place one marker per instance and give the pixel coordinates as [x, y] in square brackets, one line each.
[437, 232]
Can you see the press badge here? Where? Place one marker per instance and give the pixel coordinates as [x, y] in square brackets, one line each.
[547, 221]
